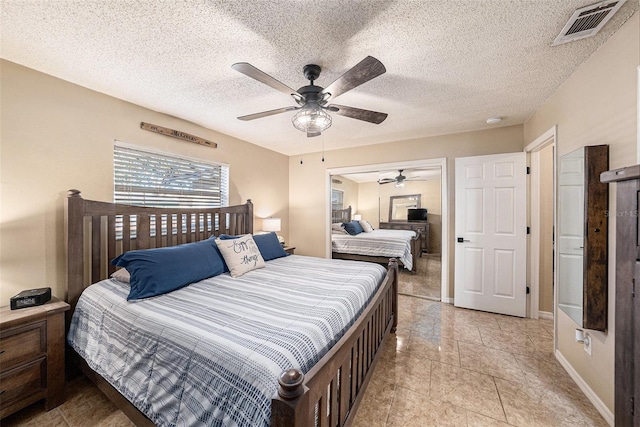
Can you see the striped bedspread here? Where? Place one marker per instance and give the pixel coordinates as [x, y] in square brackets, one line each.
[387, 243]
[210, 353]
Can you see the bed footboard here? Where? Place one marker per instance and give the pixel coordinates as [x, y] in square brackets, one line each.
[330, 393]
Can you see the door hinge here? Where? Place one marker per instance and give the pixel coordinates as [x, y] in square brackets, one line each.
[632, 406]
[528, 290]
[528, 230]
[528, 170]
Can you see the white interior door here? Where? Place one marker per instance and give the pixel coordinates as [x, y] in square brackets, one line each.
[491, 242]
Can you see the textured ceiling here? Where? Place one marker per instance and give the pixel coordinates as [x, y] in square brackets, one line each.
[450, 64]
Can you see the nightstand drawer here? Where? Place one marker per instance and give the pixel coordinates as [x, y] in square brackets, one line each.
[23, 381]
[22, 344]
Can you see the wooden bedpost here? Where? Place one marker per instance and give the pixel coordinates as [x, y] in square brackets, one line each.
[287, 408]
[74, 242]
[393, 265]
[249, 217]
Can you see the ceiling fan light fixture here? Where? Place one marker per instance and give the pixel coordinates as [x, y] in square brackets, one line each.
[399, 184]
[311, 119]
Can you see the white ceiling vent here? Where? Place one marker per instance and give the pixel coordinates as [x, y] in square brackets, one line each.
[587, 21]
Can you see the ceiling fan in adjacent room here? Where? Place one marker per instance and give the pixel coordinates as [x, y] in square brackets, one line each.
[313, 101]
[399, 180]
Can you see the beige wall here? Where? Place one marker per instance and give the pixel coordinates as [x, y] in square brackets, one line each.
[308, 182]
[369, 202]
[596, 105]
[432, 200]
[545, 302]
[56, 136]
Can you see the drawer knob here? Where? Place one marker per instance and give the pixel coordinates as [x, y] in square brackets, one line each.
[1, 351]
[2, 392]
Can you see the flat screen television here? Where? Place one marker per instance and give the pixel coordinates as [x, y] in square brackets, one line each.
[417, 214]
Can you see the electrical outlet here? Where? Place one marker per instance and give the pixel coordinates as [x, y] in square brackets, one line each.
[587, 344]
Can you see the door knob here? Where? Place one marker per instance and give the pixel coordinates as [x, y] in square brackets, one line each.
[462, 240]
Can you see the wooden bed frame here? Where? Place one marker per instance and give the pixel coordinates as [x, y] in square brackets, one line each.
[344, 215]
[328, 395]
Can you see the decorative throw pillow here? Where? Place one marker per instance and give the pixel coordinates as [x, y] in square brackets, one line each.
[121, 275]
[353, 227]
[161, 270]
[241, 255]
[269, 246]
[366, 226]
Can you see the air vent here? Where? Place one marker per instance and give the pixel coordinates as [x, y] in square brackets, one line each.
[587, 21]
[336, 181]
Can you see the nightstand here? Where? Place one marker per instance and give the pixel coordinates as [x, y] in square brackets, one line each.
[290, 249]
[32, 356]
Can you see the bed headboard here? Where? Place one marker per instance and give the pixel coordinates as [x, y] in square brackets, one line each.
[341, 215]
[97, 232]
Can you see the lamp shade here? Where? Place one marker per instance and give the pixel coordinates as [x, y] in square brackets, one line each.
[271, 224]
[357, 217]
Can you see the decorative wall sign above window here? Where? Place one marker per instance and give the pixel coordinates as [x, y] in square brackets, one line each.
[177, 134]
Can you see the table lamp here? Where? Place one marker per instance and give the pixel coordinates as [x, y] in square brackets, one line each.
[273, 224]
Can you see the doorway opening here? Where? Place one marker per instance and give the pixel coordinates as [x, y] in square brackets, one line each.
[542, 218]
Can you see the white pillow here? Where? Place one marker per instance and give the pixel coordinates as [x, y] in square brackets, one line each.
[337, 226]
[121, 275]
[241, 254]
[366, 226]
[340, 231]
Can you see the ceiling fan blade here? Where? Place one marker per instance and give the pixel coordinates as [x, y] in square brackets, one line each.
[362, 72]
[251, 71]
[266, 113]
[312, 134]
[357, 113]
[386, 181]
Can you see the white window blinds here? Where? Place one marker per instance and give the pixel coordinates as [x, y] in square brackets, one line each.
[146, 178]
[337, 199]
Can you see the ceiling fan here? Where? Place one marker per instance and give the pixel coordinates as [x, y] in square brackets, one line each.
[399, 180]
[313, 101]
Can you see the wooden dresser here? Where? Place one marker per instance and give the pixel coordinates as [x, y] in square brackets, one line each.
[32, 356]
[627, 321]
[422, 226]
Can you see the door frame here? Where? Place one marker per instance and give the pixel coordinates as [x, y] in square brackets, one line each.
[444, 200]
[533, 149]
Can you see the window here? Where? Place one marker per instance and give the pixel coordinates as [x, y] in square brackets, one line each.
[337, 199]
[147, 178]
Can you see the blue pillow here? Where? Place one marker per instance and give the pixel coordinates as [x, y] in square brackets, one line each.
[158, 271]
[269, 246]
[227, 237]
[353, 227]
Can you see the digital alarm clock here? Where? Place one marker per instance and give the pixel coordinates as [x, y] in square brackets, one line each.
[30, 298]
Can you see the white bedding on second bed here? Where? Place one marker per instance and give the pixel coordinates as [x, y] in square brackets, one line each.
[380, 243]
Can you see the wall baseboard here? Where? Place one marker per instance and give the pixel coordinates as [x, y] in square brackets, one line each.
[599, 404]
[547, 315]
[447, 300]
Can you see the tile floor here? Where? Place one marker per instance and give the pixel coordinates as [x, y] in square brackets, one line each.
[426, 281]
[448, 366]
[445, 367]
